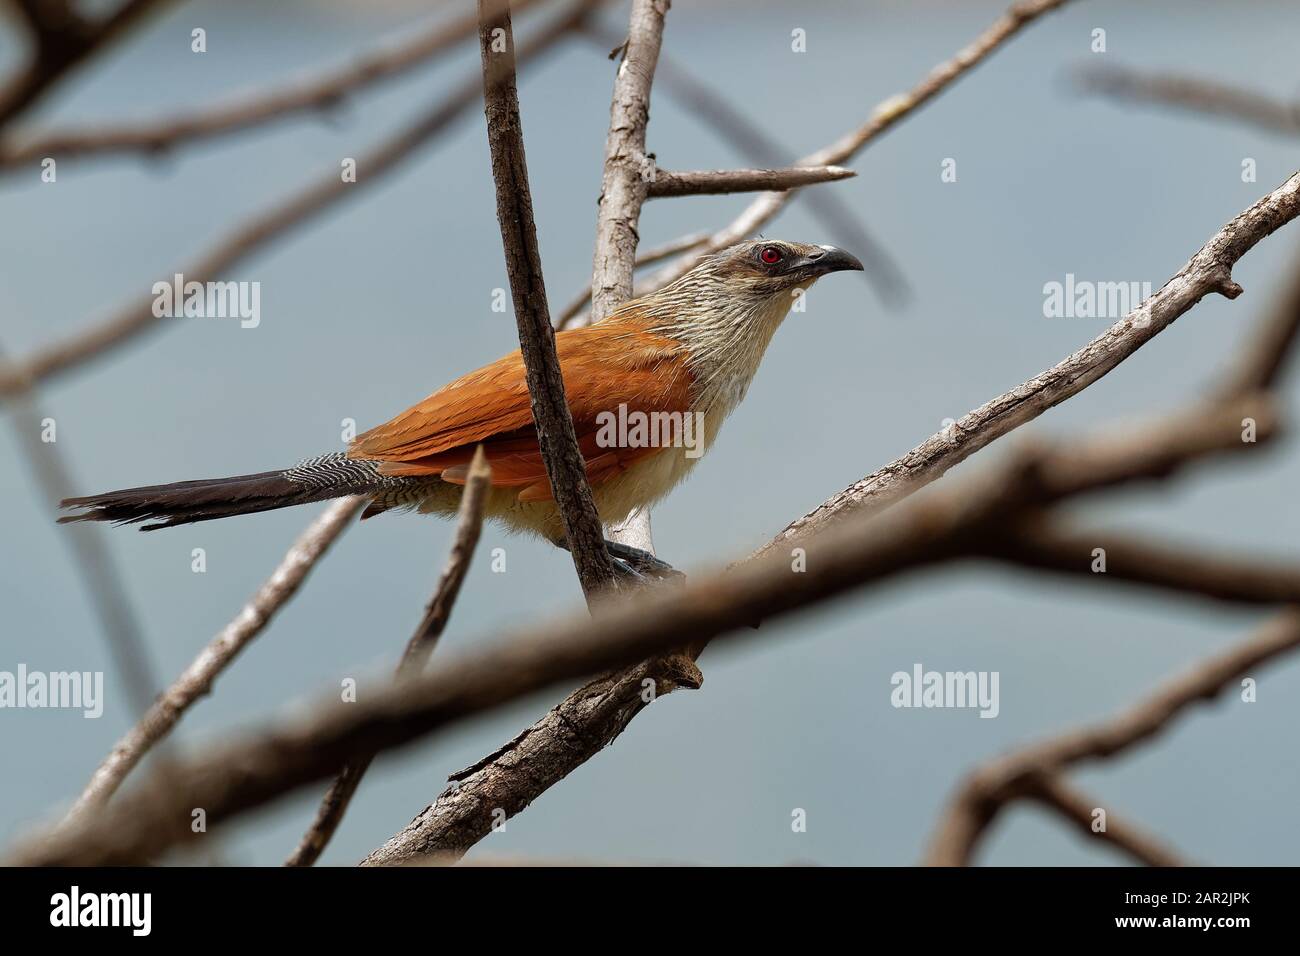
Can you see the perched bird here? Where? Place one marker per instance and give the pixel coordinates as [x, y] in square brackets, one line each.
[648, 387]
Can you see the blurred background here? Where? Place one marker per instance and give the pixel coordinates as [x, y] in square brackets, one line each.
[388, 295]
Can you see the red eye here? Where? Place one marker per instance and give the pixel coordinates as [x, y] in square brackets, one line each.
[771, 255]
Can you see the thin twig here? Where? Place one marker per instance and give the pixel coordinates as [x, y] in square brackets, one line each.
[469, 524]
[555, 432]
[624, 185]
[267, 227]
[988, 790]
[623, 190]
[197, 679]
[322, 92]
[719, 181]
[1193, 94]
[668, 250]
[513, 776]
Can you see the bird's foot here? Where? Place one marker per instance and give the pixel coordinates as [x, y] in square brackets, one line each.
[642, 563]
[634, 565]
[627, 574]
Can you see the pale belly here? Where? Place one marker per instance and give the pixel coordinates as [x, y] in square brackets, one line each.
[643, 484]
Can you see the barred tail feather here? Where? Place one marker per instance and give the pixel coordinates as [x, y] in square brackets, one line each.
[184, 502]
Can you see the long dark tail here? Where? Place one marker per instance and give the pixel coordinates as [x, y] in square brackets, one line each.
[184, 502]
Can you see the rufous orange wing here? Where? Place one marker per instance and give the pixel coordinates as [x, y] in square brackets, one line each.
[604, 366]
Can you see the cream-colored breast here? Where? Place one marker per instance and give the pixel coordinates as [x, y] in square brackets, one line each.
[644, 482]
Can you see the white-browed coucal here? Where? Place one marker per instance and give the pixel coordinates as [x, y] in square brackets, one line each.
[684, 354]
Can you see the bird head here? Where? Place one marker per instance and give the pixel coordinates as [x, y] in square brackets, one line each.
[726, 309]
[760, 277]
[762, 268]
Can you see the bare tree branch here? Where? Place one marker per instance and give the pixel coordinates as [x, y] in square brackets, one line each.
[246, 112]
[540, 757]
[197, 679]
[555, 433]
[260, 231]
[623, 190]
[718, 181]
[1193, 94]
[469, 524]
[988, 790]
[624, 184]
[668, 250]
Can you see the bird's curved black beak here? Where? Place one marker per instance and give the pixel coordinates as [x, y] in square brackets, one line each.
[828, 259]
